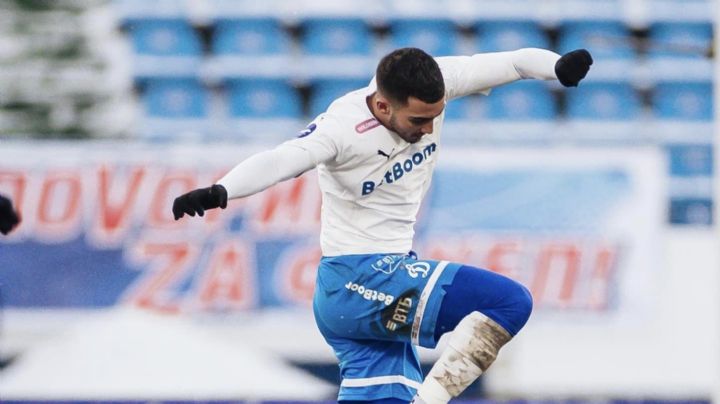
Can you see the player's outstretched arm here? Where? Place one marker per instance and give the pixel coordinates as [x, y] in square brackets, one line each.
[569, 69]
[481, 72]
[8, 217]
[251, 176]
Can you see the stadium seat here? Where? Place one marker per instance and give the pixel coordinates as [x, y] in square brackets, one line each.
[472, 107]
[603, 100]
[603, 39]
[164, 37]
[326, 91]
[495, 36]
[680, 40]
[683, 101]
[436, 37]
[260, 36]
[263, 99]
[524, 100]
[691, 211]
[690, 160]
[335, 37]
[175, 98]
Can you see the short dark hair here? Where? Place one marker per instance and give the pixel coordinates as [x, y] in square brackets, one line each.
[410, 72]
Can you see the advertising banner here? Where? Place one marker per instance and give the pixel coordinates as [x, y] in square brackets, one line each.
[575, 226]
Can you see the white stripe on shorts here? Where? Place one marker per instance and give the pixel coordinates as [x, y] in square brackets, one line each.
[374, 381]
[424, 296]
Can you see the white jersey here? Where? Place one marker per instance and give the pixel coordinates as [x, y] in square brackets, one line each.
[373, 181]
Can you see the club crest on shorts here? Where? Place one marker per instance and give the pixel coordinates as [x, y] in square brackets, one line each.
[418, 268]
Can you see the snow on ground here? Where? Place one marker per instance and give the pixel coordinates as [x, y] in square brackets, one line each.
[132, 354]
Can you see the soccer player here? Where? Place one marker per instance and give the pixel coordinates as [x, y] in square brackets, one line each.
[375, 150]
[8, 217]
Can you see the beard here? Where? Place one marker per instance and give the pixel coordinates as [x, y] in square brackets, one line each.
[408, 136]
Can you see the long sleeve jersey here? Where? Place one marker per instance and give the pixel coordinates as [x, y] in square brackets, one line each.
[372, 181]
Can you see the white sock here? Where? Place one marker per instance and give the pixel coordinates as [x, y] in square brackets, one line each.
[472, 348]
[431, 392]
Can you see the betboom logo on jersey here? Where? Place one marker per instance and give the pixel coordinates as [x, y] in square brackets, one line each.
[399, 169]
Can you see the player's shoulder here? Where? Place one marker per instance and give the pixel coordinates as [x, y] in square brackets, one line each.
[449, 64]
[348, 115]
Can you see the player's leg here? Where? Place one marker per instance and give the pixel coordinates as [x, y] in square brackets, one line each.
[371, 309]
[485, 310]
[373, 371]
[374, 365]
[502, 299]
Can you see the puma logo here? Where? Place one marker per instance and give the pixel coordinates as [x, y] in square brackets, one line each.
[382, 153]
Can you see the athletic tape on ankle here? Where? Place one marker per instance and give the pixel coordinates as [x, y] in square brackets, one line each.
[480, 338]
[472, 348]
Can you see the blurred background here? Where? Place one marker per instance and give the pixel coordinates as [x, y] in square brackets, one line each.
[600, 199]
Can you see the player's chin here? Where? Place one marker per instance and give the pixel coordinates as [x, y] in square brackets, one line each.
[414, 138]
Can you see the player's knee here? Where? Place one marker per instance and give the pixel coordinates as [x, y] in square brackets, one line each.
[525, 302]
[518, 307]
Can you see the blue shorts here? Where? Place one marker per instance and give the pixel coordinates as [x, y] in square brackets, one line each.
[372, 309]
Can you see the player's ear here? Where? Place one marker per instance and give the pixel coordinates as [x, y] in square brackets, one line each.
[382, 105]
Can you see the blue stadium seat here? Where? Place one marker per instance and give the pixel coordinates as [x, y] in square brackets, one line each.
[175, 98]
[685, 40]
[326, 91]
[524, 100]
[472, 107]
[603, 39]
[436, 37]
[495, 36]
[164, 37]
[690, 160]
[336, 37]
[251, 36]
[683, 100]
[691, 211]
[252, 98]
[603, 100]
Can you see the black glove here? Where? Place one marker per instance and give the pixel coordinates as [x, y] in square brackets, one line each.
[572, 67]
[8, 217]
[199, 200]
